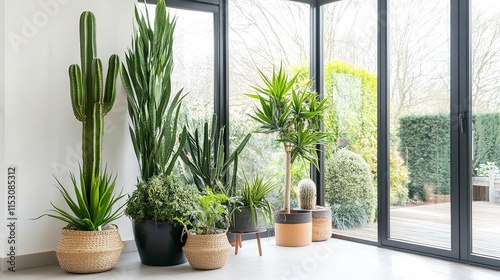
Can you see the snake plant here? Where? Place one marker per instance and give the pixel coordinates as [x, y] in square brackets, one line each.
[153, 108]
[206, 159]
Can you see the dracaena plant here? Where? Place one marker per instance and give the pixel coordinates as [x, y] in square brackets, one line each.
[92, 98]
[289, 109]
[153, 108]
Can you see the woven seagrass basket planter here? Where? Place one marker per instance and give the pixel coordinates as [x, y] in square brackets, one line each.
[209, 251]
[89, 251]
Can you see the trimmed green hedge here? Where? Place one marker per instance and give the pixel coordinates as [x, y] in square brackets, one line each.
[487, 138]
[425, 147]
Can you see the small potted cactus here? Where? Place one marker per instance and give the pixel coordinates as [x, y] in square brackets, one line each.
[321, 215]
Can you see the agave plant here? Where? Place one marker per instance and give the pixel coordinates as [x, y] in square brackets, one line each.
[206, 159]
[294, 113]
[90, 212]
[153, 109]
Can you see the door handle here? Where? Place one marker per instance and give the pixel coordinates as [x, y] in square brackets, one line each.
[461, 120]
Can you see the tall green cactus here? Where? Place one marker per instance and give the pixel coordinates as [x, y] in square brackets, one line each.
[91, 101]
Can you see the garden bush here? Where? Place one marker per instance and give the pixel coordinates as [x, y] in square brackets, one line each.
[425, 147]
[349, 190]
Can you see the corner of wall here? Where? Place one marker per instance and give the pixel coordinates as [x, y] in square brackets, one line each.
[2, 128]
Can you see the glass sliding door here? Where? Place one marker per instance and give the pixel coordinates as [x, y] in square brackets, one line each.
[485, 159]
[262, 35]
[419, 122]
[350, 86]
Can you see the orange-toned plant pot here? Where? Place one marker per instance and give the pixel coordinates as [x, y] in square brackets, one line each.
[321, 223]
[294, 229]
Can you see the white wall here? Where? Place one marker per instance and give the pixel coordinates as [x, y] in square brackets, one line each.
[42, 136]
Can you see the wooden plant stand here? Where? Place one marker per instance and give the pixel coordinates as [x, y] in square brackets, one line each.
[239, 242]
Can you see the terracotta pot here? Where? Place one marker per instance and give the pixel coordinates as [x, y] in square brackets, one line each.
[294, 229]
[81, 251]
[321, 223]
[207, 251]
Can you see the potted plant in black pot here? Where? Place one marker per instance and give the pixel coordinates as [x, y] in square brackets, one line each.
[153, 207]
[89, 243]
[154, 112]
[292, 112]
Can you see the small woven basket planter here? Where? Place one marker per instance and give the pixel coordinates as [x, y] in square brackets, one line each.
[209, 251]
[89, 251]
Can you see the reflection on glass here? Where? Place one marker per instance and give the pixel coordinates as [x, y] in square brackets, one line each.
[420, 122]
[350, 44]
[486, 128]
[263, 34]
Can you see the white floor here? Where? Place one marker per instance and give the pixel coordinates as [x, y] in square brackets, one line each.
[333, 259]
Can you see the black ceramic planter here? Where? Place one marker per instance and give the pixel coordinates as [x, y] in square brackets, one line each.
[159, 244]
[242, 221]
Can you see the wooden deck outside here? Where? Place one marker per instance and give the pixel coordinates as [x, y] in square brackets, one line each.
[430, 225]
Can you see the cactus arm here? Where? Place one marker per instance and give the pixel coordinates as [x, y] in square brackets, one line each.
[87, 45]
[77, 93]
[110, 88]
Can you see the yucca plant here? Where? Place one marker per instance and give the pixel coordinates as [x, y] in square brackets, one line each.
[206, 159]
[291, 110]
[153, 109]
[92, 98]
[253, 195]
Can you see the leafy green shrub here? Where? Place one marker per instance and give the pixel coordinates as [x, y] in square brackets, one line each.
[348, 216]
[399, 179]
[348, 188]
[210, 214]
[161, 198]
[351, 92]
